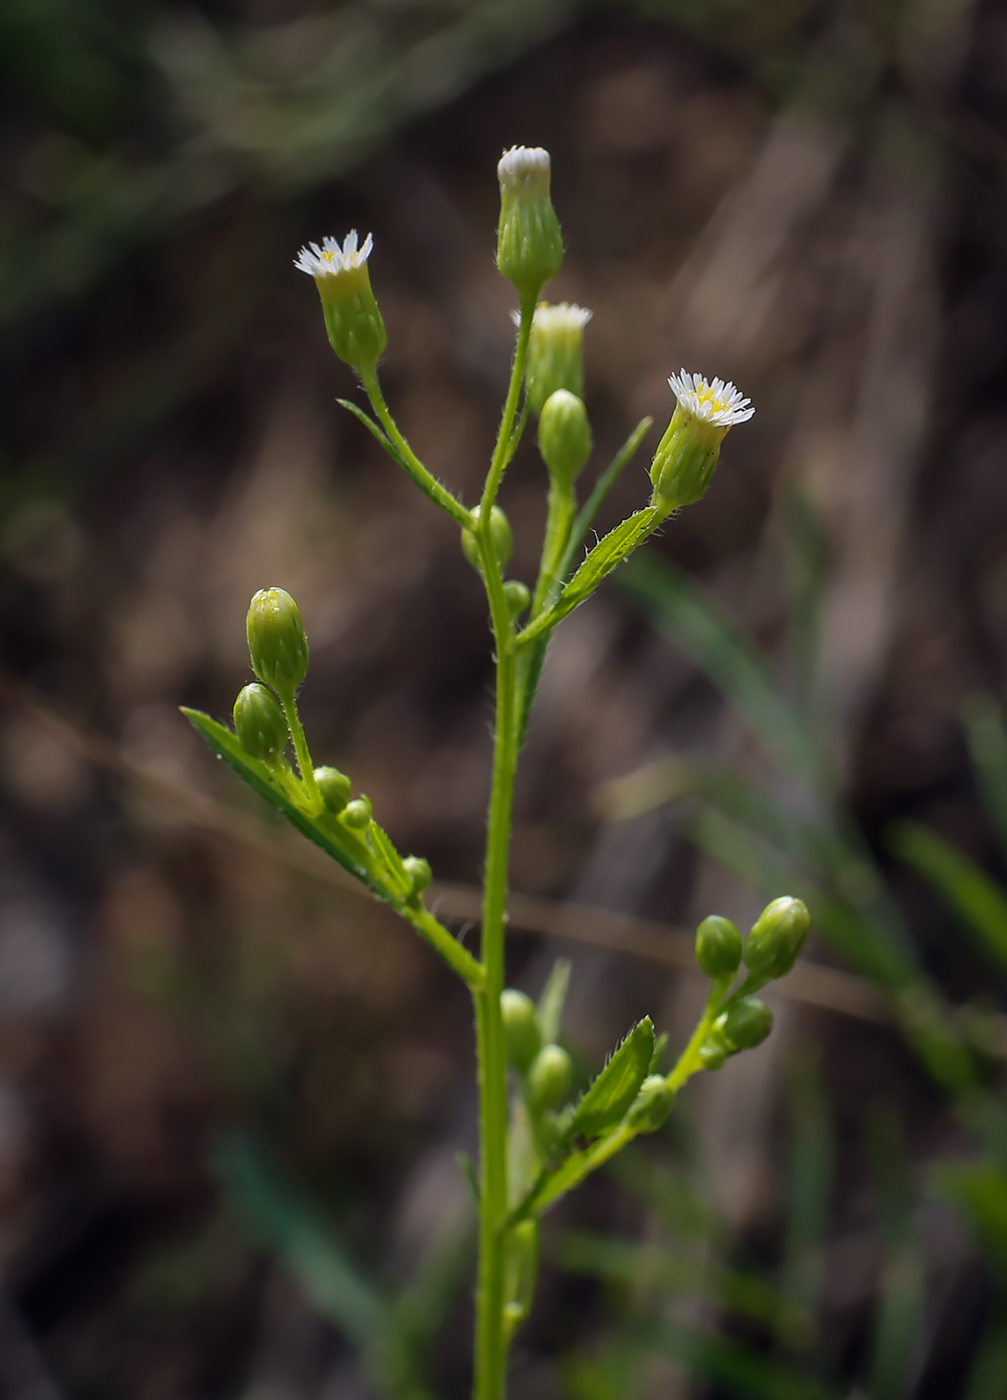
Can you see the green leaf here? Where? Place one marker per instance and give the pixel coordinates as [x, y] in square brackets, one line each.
[552, 1001]
[963, 885]
[391, 860]
[343, 846]
[608, 1097]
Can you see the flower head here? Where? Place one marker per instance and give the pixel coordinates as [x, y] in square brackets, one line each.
[715, 402]
[529, 240]
[687, 454]
[352, 319]
[555, 351]
[331, 259]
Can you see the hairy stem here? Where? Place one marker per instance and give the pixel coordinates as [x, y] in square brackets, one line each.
[424, 479]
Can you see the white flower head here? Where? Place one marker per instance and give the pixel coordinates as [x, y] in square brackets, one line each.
[330, 259]
[523, 166]
[712, 401]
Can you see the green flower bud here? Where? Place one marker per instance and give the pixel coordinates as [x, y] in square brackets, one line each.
[777, 938]
[260, 723]
[550, 1077]
[564, 435]
[652, 1104]
[352, 319]
[517, 595]
[714, 1053]
[500, 535]
[358, 813]
[334, 787]
[555, 352]
[718, 947]
[524, 1039]
[687, 454]
[747, 1024]
[276, 640]
[529, 241]
[419, 873]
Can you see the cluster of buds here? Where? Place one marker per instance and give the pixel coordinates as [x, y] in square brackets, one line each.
[769, 952]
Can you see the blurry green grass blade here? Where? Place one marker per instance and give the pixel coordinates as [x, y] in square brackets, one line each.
[987, 740]
[745, 1371]
[988, 1375]
[808, 1198]
[749, 855]
[806, 560]
[715, 643]
[226, 746]
[303, 1242]
[965, 887]
[675, 1271]
[979, 1190]
[552, 1001]
[902, 1303]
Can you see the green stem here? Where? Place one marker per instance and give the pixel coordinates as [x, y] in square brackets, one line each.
[427, 483]
[304, 762]
[603, 486]
[439, 938]
[491, 1334]
[562, 503]
[689, 1061]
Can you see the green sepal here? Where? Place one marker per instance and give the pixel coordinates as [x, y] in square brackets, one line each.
[346, 848]
[608, 1097]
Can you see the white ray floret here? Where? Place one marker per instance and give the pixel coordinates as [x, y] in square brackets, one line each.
[558, 316]
[522, 163]
[712, 401]
[330, 259]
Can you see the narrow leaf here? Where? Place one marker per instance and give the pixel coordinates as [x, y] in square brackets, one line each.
[552, 1001]
[608, 1098]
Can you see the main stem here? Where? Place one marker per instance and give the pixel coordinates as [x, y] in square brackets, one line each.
[491, 1343]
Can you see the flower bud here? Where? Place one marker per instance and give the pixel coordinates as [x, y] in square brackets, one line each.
[529, 241]
[352, 319]
[276, 640]
[718, 947]
[500, 534]
[358, 813]
[260, 723]
[524, 1039]
[555, 352]
[564, 435]
[517, 595]
[419, 873]
[687, 454]
[652, 1104]
[777, 938]
[334, 787]
[550, 1077]
[714, 1053]
[747, 1024]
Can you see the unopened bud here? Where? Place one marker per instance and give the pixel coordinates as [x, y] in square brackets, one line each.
[520, 1020]
[687, 454]
[352, 319]
[276, 640]
[550, 1077]
[419, 873]
[747, 1024]
[517, 595]
[652, 1104]
[564, 435]
[714, 1053]
[777, 938]
[556, 352]
[500, 535]
[529, 240]
[334, 787]
[358, 813]
[718, 947]
[260, 723]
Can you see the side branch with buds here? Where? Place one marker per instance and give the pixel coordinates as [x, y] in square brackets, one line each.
[539, 1136]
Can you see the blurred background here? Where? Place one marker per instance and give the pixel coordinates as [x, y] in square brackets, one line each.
[232, 1091]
